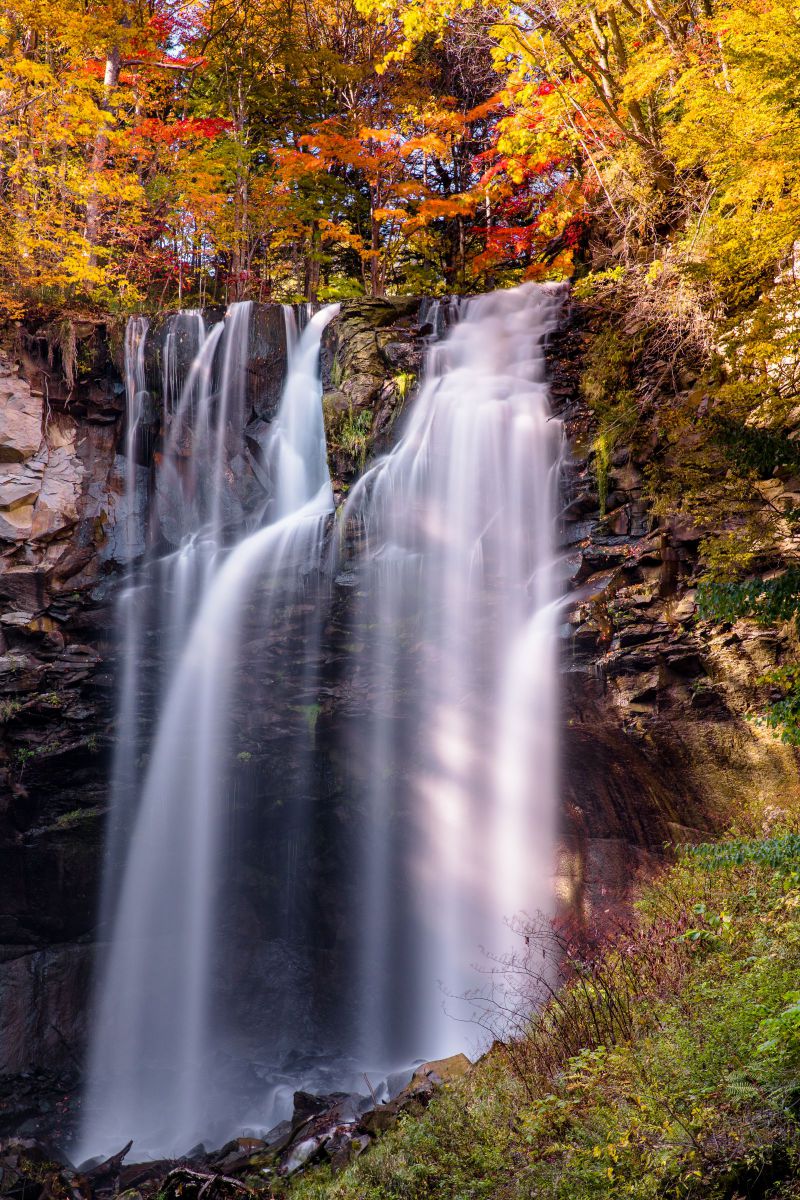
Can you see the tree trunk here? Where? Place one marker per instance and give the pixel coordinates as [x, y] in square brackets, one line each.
[100, 154]
[313, 264]
[375, 273]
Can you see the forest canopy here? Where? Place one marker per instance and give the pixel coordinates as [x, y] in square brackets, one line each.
[167, 151]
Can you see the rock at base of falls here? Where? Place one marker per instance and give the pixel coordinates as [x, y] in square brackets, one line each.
[333, 1129]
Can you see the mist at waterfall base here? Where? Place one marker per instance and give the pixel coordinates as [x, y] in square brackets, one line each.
[335, 777]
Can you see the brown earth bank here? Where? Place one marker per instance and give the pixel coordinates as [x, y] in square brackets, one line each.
[657, 745]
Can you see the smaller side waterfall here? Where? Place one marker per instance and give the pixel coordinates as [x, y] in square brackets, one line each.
[154, 1071]
[126, 742]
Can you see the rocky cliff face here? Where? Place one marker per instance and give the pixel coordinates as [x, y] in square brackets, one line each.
[657, 744]
[61, 497]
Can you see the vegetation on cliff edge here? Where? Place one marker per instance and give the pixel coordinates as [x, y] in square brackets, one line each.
[668, 1067]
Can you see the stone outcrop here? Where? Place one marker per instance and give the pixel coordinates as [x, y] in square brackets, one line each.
[371, 361]
[659, 744]
[60, 497]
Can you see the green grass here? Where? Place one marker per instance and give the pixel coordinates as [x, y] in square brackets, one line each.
[78, 816]
[668, 1067]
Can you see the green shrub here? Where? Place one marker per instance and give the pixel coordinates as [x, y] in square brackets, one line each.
[687, 1085]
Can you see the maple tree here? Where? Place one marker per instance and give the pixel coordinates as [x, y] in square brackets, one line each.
[74, 202]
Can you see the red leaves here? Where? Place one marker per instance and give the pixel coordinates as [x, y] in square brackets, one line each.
[162, 25]
[507, 241]
[180, 24]
[176, 132]
[94, 67]
[574, 230]
[499, 168]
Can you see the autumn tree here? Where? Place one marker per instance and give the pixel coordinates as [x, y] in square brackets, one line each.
[75, 84]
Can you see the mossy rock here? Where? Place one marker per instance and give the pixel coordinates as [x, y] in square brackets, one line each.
[377, 312]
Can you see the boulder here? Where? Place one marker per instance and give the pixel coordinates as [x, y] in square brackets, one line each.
[20, 417]
[405, 356]
[442, 1071]
[56, 509]
[415, 1098]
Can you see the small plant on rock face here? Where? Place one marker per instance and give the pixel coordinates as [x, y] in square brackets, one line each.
[22, 756]
[404, 382]
[765, 601]
[337, 374]
[311, 713]
[352, 435]
[606, 385]
[8, 710]
[602, 446]
[595, 282]
[76, 817]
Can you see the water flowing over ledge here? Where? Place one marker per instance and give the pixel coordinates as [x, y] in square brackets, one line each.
[448, 561]
[458, 592]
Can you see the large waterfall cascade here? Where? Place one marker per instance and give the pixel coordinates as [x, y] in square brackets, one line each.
[459, 593]
[330, 907]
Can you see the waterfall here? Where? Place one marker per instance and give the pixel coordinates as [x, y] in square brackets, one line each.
[126, 744]
[335, 779]
[458, 598]
[154, 1070]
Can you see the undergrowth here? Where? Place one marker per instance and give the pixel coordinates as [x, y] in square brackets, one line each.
[665, 1065]
[767, 601]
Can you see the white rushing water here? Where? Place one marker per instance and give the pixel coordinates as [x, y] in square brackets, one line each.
[151, 1068]
[459, 591]
[312, 906]
[126, 743]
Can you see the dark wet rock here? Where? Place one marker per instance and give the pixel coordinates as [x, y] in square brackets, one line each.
[402, 356]
[307, 1106]
[141, 1178]
[267, 368]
